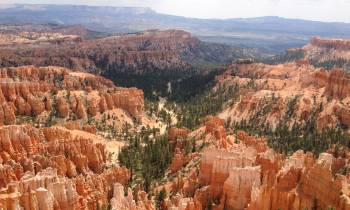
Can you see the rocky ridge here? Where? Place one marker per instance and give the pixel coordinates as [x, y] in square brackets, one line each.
[320, 52]
[134, 53]
[33, 91]
[337, 44]
[269, 92]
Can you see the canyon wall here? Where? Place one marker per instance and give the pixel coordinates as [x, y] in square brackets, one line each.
[268, 93]
[137, 53]
[54, 168]
[32, 91]
[159, 49]
[337, 44]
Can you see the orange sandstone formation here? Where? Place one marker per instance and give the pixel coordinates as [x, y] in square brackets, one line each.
[154, 48]
[337, 44]
[175, 133]
[266, 91]
[53, 168]
[327, 52]
[215, 126]
[251, 176]
[30, 91]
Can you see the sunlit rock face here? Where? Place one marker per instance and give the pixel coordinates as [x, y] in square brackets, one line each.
[249, 175]
[266, 92]
[337, 44]
[32, 91]
[327, 53]
[54, 168]
[154, 49]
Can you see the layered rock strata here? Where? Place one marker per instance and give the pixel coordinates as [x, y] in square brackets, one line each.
[269, 94]
[249, 176]
[54, 168]
[32, 91]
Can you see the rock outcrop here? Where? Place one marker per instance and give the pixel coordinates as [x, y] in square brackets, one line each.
[304, 183]
[215, 126]
[134, 53]
[249, 175]
[336, 82]
[269, 94]
[153, 49]
[337, 44]
[54, 168]
[177, 133]
[216, 166]
[327, 53]
[121, 202]
[31, 91]
[238, 187]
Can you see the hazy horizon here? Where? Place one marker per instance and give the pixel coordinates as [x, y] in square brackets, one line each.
[316, 10]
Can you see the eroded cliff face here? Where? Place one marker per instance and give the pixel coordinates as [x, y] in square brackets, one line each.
[304, 182]
[121, 202]
[55, 168]
[249, 175]
[290, 92]
[55, 158]
[157, 49]
[161, 51]
[327, 53]
[337, 44]
[34, 91]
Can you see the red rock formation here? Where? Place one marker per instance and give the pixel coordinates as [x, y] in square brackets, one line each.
[266, 90]
[160, 49]
[257, 143]
[327, 53]
[62, 108]
[29, 91]
[302, 62]
[180, 159]
[215, 126]
[344, 115]
[238, 187]
[338, 84]
[175, 133]
[53, 168]
[121, 202]
[242, 178]
[303, 183]
[337, 44]
[216, 164]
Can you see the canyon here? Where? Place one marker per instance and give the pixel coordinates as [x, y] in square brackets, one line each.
[259, 136]
[51, 156]
[131, 60]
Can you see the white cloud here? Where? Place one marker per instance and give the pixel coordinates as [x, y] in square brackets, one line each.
[325, 10]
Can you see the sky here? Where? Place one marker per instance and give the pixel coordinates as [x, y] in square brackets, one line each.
[322, 10]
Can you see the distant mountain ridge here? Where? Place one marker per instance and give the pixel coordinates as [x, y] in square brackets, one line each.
[269, 34]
